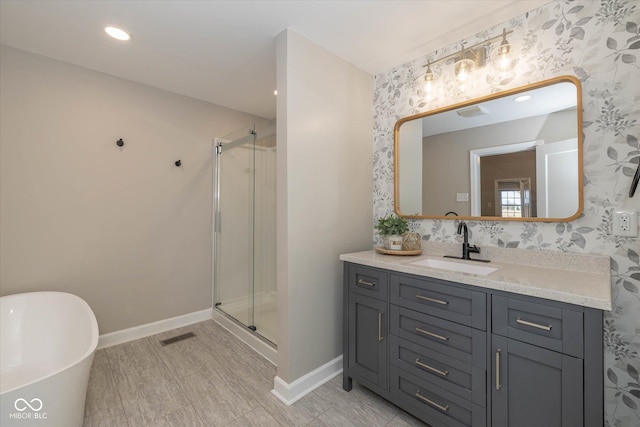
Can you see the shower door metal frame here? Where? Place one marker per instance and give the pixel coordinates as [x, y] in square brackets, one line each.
[219, 144]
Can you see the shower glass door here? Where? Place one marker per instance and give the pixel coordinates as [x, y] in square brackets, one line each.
[244, 242]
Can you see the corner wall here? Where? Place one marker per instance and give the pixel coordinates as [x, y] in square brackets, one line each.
[598, 43]
[324, 196]
[123, 228]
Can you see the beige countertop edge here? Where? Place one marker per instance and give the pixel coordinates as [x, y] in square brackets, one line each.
[584, 289]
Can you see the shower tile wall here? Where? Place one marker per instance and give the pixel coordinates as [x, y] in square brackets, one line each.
[599, 42]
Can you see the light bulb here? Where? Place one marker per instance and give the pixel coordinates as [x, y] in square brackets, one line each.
[429, 85]
[504, 59]
[503, 63]
[463, 68]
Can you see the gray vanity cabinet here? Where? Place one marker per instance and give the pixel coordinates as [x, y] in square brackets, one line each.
[368, 351]
[533, 386]
[459, 355]
[366, 303]
[547, 363]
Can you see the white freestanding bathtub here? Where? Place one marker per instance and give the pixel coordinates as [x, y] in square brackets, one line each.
[47, 343]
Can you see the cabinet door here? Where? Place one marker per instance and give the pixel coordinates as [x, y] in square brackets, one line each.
[368, 340]
[533, 386]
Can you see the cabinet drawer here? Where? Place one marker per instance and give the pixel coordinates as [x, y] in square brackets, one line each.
[548, 326]
[368, 281]
[438, 298]
[451, 339]
[429, 402]
[460, 378]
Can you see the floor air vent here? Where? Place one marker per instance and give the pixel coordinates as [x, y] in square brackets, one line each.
[177, 338]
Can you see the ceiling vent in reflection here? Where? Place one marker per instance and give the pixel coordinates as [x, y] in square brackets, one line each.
[473, 111]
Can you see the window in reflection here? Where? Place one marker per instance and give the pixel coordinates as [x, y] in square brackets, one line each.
[512, 198]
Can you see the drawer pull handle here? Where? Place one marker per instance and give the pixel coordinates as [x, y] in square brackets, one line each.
[498, 369]
[437, 301]
[431, 368]
[431, 402]
[363, 282]
[431, 334]
[380, 337]
[533, 325]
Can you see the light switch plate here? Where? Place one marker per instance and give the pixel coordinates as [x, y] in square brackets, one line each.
[462, 197]
[625, 223]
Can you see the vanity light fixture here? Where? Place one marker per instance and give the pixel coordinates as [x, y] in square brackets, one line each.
[467, 59]
[117, 33]
[502, 52]
[430, 82]
[464, 65]
[462, 68]
[504, 58]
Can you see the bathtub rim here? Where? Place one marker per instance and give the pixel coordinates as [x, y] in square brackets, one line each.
[90, 350]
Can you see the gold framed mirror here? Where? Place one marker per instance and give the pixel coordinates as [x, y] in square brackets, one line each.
[515, 155]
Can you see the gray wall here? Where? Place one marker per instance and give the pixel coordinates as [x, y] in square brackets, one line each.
[324, 196]
[122, 228]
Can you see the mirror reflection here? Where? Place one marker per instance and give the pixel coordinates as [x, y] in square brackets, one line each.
[515, 155]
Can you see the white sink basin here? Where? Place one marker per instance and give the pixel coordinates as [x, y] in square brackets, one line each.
[480, 270]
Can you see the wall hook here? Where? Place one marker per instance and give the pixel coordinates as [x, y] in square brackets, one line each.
[120, 142]
[178, 163]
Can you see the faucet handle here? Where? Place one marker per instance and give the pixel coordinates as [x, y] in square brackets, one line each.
[474, 249]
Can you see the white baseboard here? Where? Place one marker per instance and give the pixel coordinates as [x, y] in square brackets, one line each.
[290, 393]
[240, 332]
[130, 334]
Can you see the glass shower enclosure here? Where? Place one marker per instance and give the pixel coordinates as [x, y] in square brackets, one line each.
[244, 266]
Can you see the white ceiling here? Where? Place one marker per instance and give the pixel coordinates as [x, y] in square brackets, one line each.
[544, 100]
[224, 51]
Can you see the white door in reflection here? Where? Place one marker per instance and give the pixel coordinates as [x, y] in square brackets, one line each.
[557, 178]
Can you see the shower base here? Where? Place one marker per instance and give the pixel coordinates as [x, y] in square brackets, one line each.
[265, 314]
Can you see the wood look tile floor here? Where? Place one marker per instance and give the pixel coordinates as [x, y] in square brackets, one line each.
[213, 379]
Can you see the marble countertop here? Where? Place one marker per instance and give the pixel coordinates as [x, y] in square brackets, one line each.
[583, 280]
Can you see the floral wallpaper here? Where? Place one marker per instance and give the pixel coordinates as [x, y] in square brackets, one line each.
[597, 41]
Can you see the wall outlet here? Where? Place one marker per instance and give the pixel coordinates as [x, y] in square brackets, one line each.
[625, 223]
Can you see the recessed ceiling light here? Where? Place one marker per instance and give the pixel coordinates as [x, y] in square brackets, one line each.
[523, 98]
[117, 33]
